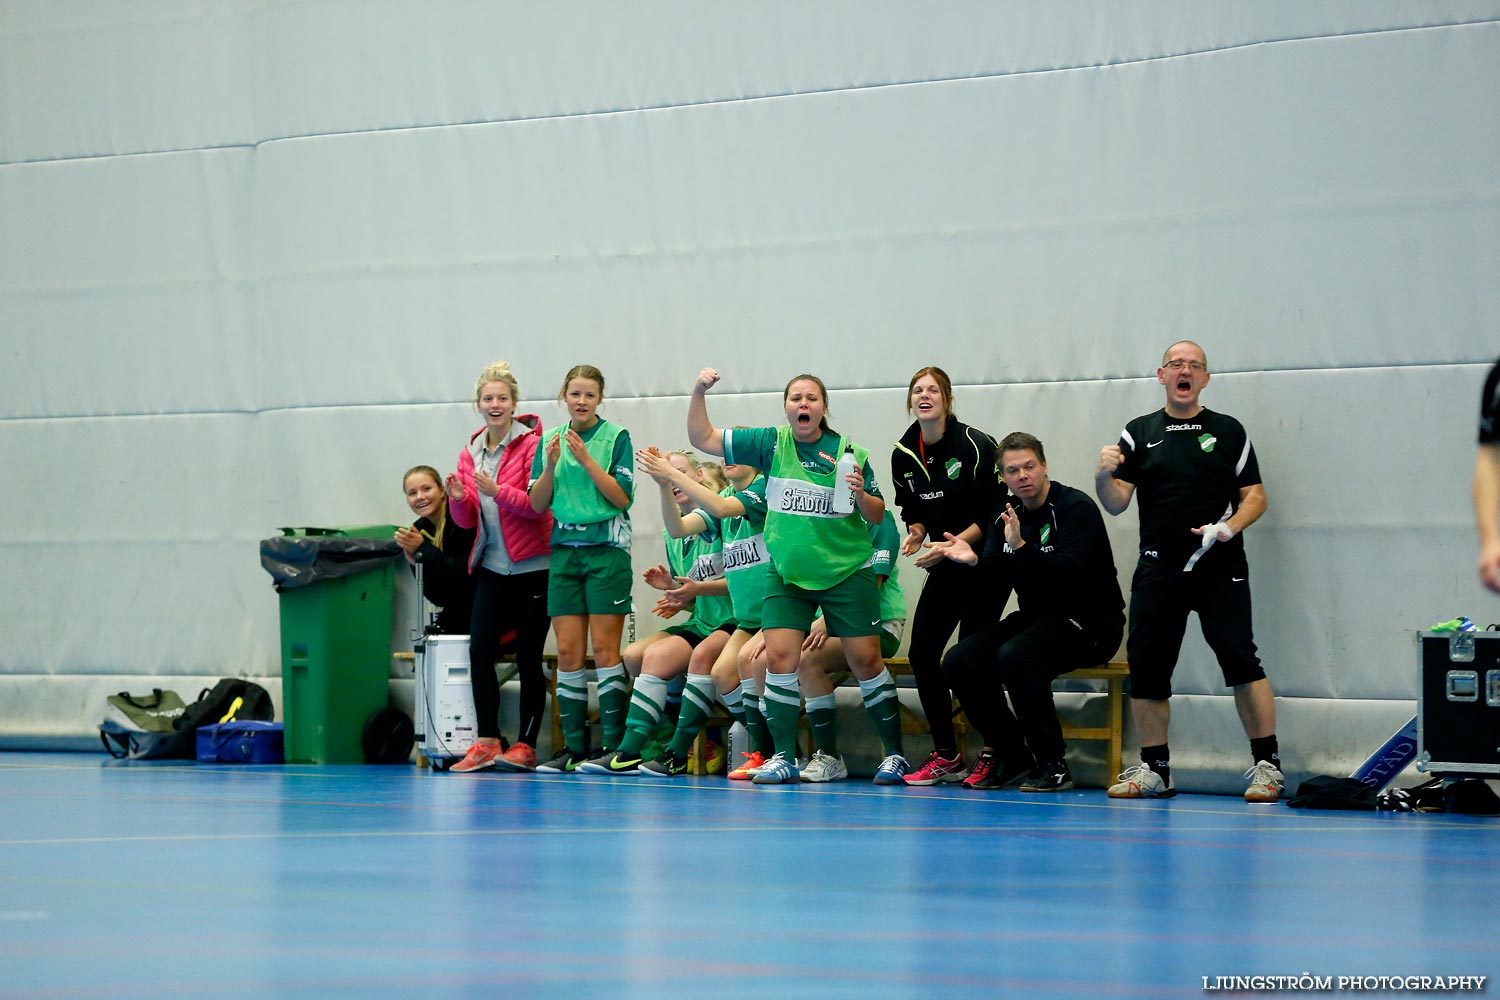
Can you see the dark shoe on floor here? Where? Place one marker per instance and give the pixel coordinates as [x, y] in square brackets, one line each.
[1002, 773]
[563, 763]
[1052, 777]
[611, 763]
[667, 765]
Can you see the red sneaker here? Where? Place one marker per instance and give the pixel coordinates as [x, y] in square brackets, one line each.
[520, 757]
[480, 757]
[754, 760]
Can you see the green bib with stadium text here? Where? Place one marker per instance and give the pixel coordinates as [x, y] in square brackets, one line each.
[811, 546]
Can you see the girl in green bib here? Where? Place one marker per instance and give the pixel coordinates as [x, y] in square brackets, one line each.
[736, 517]
[693, 579]
[820, 558]
[585, 474]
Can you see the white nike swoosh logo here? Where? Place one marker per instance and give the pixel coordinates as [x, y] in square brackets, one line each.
[1153, 444]
[622, 601]
[1236, 579]
[875, 622]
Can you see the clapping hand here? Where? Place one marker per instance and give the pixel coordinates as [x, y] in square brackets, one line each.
[1012, 522]
[658, 577]
[954, 548]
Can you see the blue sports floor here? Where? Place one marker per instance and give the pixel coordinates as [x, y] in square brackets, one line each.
[184, 880]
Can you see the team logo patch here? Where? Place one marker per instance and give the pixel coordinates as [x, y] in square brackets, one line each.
[953, 468]
[1046, 533]
[1207, 441]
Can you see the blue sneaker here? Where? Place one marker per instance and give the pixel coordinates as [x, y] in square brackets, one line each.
[777, 771]
[892, 770]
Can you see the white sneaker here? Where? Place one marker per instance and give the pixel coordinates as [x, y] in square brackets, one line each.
[822, 767]
[1266, 782]
[1140, 782]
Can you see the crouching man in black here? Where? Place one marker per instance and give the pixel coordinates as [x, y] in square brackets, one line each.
[1046, 542]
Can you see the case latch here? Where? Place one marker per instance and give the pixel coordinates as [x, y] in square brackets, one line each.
[1461, 647]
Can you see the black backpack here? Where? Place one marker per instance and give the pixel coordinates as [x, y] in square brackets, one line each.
[215, 703]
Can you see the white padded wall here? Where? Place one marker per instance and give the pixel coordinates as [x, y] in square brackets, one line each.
[257, 252]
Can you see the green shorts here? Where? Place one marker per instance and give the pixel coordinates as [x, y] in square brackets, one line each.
[890, 641]
[850, 607]
[589, 580]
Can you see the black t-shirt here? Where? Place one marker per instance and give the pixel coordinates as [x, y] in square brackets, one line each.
[1489, 408]
[1187, 473]
[1066, 566]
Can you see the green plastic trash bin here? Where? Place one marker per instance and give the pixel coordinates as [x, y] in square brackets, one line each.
[335, 637]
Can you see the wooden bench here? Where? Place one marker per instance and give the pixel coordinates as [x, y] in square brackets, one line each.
[1112, 733]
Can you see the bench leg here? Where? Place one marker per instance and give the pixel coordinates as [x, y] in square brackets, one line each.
[1116, 687]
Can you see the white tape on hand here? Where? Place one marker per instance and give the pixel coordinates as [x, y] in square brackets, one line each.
[1220, 532]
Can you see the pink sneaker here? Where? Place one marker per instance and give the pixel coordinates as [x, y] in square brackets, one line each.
[983, 764]
[938, 769]
[520, 757]
[480, 757]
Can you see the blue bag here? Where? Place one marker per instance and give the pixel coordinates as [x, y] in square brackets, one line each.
[241, 743]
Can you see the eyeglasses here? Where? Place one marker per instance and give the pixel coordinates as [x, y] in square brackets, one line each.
[1179, 365]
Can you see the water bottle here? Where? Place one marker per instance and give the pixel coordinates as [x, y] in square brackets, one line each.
[738, 741]
[843, 493]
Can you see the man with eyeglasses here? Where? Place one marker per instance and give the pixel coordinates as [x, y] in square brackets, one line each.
[1200, 488]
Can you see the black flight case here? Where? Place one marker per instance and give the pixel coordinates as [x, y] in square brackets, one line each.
[1458, 703]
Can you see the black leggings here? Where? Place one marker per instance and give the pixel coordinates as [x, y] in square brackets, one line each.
[503, 603]
[953, 597]
[1021, 657]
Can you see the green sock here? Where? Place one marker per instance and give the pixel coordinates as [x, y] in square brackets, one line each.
[820, 715]
[614, 702]
[783, 707]
[674, 697]
[879, 693]
[573, 707]
[697, 705]
[646, 706]
[755, 722]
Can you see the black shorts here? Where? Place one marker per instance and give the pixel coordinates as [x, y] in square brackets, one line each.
[693, 631]
[1160, 599]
